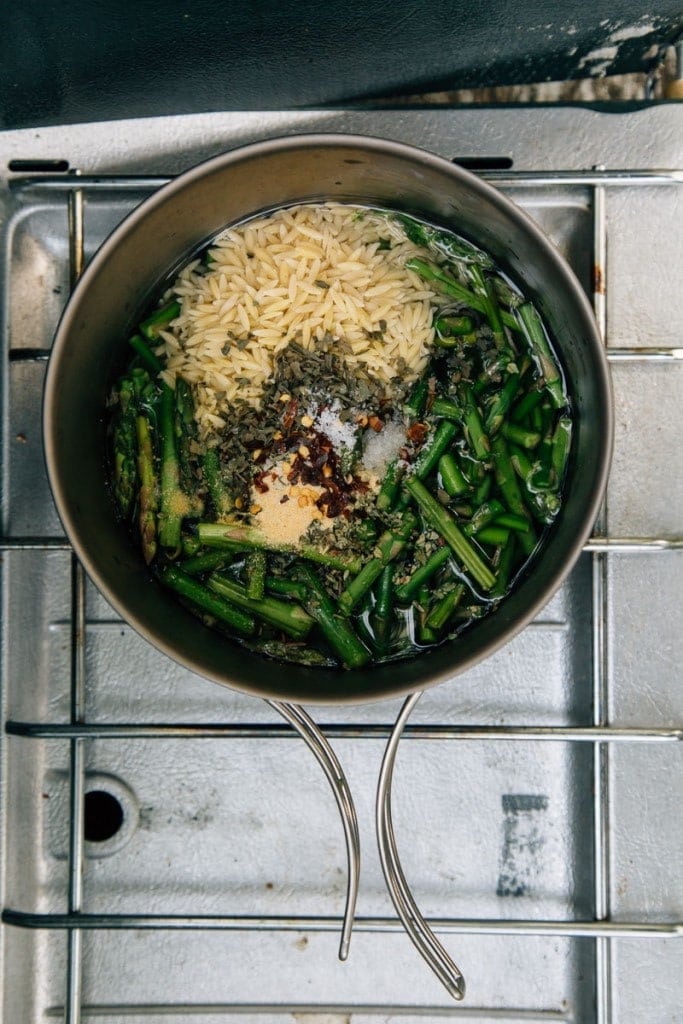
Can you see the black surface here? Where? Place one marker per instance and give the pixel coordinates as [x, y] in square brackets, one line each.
[81, 61]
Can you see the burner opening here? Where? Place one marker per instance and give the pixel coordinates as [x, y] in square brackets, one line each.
[103, 816]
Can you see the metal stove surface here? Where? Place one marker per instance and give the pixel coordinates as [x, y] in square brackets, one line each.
[536, 799]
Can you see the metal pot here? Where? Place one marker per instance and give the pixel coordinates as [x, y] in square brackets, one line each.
[146, 251]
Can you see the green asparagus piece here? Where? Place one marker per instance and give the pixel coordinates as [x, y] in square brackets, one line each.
[447, 408]
[444, 608]
[219, 535]
[148, 499]
[284, 615]
[124, 443]
[443, 242]
[389, 546]
[495, 535]
[505, 294]
[561, 444]
[452, 479]
[381, 615]
[484, 515]
[149, 359]
[501, 403]
[526, 405]
[425, 634]
[207, 562]
[219, 492]
[210, 602]
[159, 320]
[286, 588]
[520, 436]
[520, 463]
[337, 629]
[545, 504]
[405, 592]
[450, 331]
[541, 352]
[433, 449]
[390, 485]
[486, 292]
[474, 428]
[483, 489]
[448, 284]
[437, 516]
[504, 569]
[175, 504]
[416, 401]
[255, 567]
[512, 521]
[507, 482]
[185, 431]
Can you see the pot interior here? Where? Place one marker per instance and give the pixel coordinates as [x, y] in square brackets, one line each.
[146, 251]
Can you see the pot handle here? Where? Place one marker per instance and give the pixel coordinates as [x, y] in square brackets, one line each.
[419, 932]
[327, 759]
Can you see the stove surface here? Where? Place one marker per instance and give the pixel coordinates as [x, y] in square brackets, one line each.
[536, 798]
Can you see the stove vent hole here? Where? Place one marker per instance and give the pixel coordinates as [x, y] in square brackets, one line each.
[484, 163]
[102, 816]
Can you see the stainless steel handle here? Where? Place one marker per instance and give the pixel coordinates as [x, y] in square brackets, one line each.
[327, 759]
[419, 932]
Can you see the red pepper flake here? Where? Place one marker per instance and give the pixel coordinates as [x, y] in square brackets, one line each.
[417, 432]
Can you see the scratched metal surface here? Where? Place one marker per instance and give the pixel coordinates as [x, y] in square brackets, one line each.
[247, 826]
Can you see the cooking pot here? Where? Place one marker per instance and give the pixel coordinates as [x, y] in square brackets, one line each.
[143, 255]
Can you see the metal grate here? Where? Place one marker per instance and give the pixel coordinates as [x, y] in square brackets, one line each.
[603, 737]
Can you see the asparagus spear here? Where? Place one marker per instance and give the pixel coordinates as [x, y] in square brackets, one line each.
[337, 630]
[507, 482]
[390, 485]
[381, 615]
[448, 284]
[520, 436]
[228, 534]
[148, 501]
[148, 358]
[219, 492]
[284, 615]
[541, 352]
[389, 546]
[256, 574]
[207, 562]
[561, 444]
[454, 483]
[174, 502]
[124, 445]
[491, 309]
[437, 516]
[432, 451]
[217, 606]
[443, 242]
[405, 592]
[160, 319]
[474, 427]
[484, 515]
[501, 403]
[444, 608]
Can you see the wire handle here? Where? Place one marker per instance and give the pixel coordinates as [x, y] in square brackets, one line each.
[327, 759]
[419, 932]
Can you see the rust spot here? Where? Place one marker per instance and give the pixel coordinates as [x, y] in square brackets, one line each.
[598, 280]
